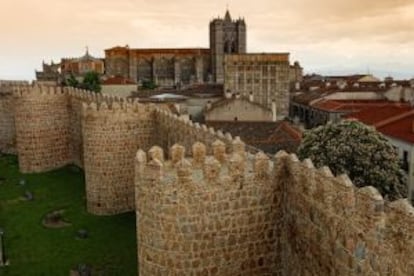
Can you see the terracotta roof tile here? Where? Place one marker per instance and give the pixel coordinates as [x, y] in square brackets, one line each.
[118, 81]
[375, 115]
[267, 136]
[401, 129]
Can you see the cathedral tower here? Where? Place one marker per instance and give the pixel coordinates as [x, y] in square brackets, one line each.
[227, 36]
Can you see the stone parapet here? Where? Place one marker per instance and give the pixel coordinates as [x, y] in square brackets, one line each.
[111, 135]
[42, 128]
[7, 122]
[217, 218]
[172, 129]
[333, 228]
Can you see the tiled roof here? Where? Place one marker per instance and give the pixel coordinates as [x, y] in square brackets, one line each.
[376, 115]
[267, 136]
[225, 101]
[118, 81]
[401, 129]
[306, 97]
[349, 105]
[393, 120]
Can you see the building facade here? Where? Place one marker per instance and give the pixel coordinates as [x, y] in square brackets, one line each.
[82, 65]
[178, 67]
[265, 77]
[55, 73]
[227, 36]
[163, 67]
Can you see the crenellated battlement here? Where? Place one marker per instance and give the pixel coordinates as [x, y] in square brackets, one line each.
[109, 105]
[211, 210]
[372, 234]
[35, 91]
[205, 204]
[231, 168]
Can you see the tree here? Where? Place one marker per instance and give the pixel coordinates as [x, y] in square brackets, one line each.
[92, 82]
[359, 151]
[72, 81]
[149, 85]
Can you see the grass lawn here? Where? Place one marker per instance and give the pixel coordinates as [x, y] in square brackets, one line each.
[33, 249]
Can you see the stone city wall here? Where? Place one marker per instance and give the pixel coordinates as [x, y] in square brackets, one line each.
[42, 128]
[252, 216]
[330, 227]
[7, 124]
[112, 133]
[171, 129]
[76, 99]
[208, 215]
[56, 127]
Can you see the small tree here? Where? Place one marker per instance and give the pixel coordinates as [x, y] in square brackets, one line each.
[359, 151]
[72, 81]
[148, 85]
[92, 82]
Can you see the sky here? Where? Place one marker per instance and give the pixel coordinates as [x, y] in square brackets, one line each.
[325, 36]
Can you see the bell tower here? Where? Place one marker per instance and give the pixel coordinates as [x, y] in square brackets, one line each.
[227, 36]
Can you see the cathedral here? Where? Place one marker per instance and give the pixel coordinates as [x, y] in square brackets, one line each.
[265, 77]
[177, 67]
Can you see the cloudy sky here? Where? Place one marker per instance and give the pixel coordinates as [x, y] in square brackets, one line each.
[326, 36]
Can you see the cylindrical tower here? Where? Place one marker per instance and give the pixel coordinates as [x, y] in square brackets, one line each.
[42, 128]
[111, 136]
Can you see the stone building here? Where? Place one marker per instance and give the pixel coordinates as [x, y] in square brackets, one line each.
[264, 76]
[55, 73]
[178, 67]
[227, 36]
[163, 67]
[82, 65]
[50, 73]
[295, 76]
[238, 109]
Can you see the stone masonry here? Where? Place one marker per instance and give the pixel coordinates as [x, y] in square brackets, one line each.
[256, 216]
[55, 127]
[7, 124]
[201, 216]
[205, 206]
[42, 128]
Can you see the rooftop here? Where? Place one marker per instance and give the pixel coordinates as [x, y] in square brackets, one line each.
[351, 105]
[267, 136]
[401, 129]
[118, 81]
[377, 114]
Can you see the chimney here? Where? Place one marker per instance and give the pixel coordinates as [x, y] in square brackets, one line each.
[274, 111]
[251, 98]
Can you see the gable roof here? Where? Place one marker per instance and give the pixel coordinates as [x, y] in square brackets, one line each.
[401, 129]
[225, 101]
[378, 115]
[269, 137]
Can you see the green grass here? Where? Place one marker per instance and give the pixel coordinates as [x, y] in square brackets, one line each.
[33, 249]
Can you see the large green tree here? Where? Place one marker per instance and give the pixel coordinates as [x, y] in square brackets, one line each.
[91, 81]
[359, 151]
